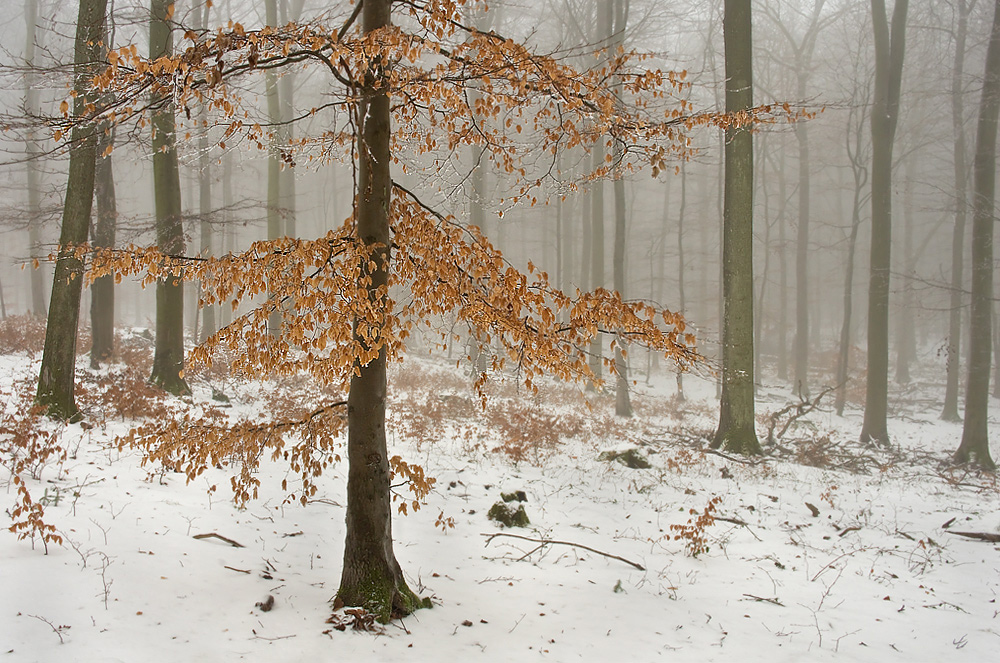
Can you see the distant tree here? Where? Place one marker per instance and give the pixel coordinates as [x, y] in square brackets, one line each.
[168, 359]
[889, 49]
[33, 154]
[348, 301]
[102, 236]
[56, 379]
[960, 164]
[736, 411]
[975, 446]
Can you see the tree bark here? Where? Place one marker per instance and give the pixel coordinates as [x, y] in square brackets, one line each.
[975, 445]
[209, 325]
[953, 349]
[168, 357]
[34, 152]
[372, 578]
[102, 292]
[56, 378]
[736, 412]
[623, 403]
[274, 181]
[860, 172]
[889, 48]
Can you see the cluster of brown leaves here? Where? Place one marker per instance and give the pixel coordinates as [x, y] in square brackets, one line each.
[693, 532]
[26, 448]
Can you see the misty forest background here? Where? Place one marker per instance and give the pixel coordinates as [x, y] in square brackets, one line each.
[813, 177]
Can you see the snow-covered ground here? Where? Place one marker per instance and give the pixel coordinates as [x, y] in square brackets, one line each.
[878, 574]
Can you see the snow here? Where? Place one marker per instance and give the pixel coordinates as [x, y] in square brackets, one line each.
[875, 576]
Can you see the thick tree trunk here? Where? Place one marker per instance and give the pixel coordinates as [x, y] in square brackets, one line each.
[889, 48]
[975, 446]
[372, 577]
[953, 349]
[168, 358]
[56, 378]
[736, 413]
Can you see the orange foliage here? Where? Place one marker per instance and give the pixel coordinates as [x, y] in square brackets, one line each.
[526, 107]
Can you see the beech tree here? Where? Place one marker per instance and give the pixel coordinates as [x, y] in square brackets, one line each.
[736, 418]
[975, 445]
[349, 300]
[889, 49]
[56, 379]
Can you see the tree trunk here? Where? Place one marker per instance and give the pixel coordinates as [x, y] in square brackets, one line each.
[736, 413]
[604, 27]
[860, 179]
[975, 446]
[782, 275]
[209, 325]
[34, 152]
[681, 302]
[168, 358]
[102, 292]
[623, 403]
[906, 338]
[953, 349]
[802, 255]
[372, 577]
[56, 378]
[889, 48]
[274, 197]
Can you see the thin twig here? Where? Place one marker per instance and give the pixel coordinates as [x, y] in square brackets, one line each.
[213, 535]
[549, 542]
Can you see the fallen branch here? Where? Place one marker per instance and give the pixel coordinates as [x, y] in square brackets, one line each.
[800, 409]
[979, 536]
[213, 535]
[761, 599]
[550, 542]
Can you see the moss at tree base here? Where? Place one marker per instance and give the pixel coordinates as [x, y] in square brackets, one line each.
[383, 597]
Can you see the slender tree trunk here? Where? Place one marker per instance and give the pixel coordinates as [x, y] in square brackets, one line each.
[168, 358]
[604, 32]
[782, 275]
[209, 325]
[56, 378]
[681, 301]
[906, 339]
[102, 292]
[34, 152]
[860, 179]
[889, 48]
[372, 577]
[975, 446]
[274, 197]
[736, 413]
[953, 349]
[802, 256]
[623, 403]
[597, 251]
[225, 308]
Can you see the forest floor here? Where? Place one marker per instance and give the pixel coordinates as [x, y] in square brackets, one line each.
[824, 548]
